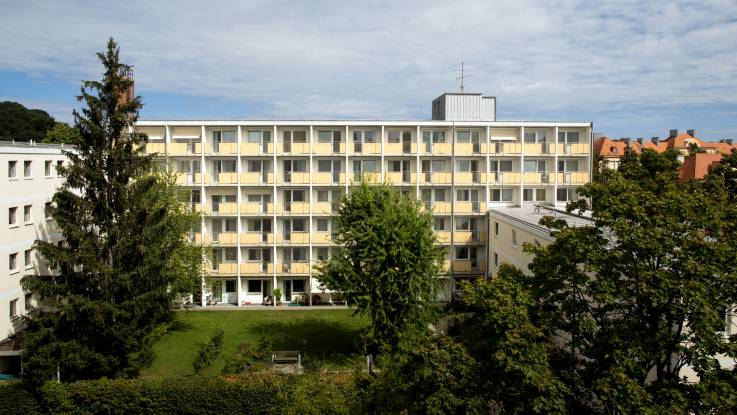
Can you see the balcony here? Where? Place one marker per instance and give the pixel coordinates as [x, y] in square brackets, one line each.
[465, 237]
[293, 208]
[438, 207]
[463, 149]
[294, 148]
[230, 149]
[507, 177]
[255, 208]
[255, 238]
[294, 178]
[156, 147]
[369, 176]
[253, 149]
[322, 238]
[406, 177]
[185, 149]
[573, 149]
[436, 149]
[537, 178]
[188, 179]
[294, 268]
[222, 208]
[325, 208]
[464, 265]
[443, 237]
[505, 149]
[254, 178]
[257, 268]
[465, 177]
[293, 238]
[539, 149]
[436, 178]
[327, 178]
[226, 268]
[224, 178]
[469, 207]
[328, 148]
[573, 178]
[398, 149]
[364, 148]
[223, 238]
[199, 207]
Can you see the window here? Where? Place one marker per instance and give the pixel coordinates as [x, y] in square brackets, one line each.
[322, 225]
[323, 253]
[27, 168]
[566, 194]
[28, 262]
[254, 255]
[464, 223]
[496, 259]
[298, 225]
[14, 308]
[501, 195]
[231, 255]
[11, 169]
[434, 136]
[514, 238]
[47, 210]
[567, 166]
[259, 136]
[324, 136]
[13, 262]
[295, 136]
[532, 137]
[534, 195]
[12, 220]
[439, 224]
[28, 301]
[59, 165]
[496, 229]
[395, 136]
[298, 286]
[568, 137]
[254, 286]
[501, 165]
[323, 196]
[230, 286]
[463, 195]
[27, 213]
[463, 136]
[463, 252]
[535, 166]
[47, 168]
[324, 166]
[440, 195]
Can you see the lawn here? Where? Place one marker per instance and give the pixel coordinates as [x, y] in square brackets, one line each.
[327, 338]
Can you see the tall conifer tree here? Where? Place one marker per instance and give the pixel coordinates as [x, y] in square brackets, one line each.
[124, 258]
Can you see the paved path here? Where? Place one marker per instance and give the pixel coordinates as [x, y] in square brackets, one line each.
[266, 308]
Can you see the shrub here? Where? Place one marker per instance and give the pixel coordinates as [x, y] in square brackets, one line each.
[209, 351]
[245, 359]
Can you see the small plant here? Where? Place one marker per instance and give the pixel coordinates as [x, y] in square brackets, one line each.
[209, 351]
[277, 295]
[245, 359]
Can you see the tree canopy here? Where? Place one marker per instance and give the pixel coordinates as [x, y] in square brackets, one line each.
[62, 133]
[22, 124]
[124, 258]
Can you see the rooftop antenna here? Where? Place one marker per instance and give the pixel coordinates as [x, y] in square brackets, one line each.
[463, 76]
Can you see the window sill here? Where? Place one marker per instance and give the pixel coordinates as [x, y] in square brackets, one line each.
[28, 178]
[12, 179]
[28, 223]
[29, 267]
[13, 226]
[14, 271]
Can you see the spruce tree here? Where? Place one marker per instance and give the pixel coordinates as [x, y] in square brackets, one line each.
[125, 257]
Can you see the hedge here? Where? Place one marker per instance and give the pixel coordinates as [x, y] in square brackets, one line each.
[253, 394]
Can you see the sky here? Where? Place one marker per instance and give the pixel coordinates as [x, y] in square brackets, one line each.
[633, 68]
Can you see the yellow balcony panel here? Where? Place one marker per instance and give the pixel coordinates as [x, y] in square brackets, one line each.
[397, 149]
[507, 177]
[230, 149]
[537, 178]
[574, 149]
[370, 177]
[294, 148]
[322, 238]
[300, 238]
[442, 207]
[225, 178]
[538, 149]
[255, 268]
[326, 178]
[467, 207]
[255, 238]
[436, 177]
[156, 147]
[327, 148]
[182, 149]
[186, 179]
[465, 177]
[470, 148]
[511, 148]
[253, 208]
[198, 148]
[255, 149]
[226, 268]
[200, 238]
[293, 208]
[254, 178]
[325, 208]
[200, 207]
[401, 178]
[293, 268]
[294, 178]
[366, 148]
[575, 178]
[215, 209]
[225, 238]
[462, 237]
[439, 149]
[446, 265]
[462, 265]
[443, 237]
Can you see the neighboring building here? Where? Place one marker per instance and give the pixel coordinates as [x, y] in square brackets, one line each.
[266, 189]
[610, 151]
[511, 227]
[29, 181]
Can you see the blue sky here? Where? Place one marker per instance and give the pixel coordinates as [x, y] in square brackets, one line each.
[636, 69]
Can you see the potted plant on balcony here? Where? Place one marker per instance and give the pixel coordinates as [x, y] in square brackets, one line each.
[277, 296]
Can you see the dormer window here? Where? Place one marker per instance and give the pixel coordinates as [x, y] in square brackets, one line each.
[613, 149]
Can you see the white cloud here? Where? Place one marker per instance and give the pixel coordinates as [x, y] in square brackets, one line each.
[388, 59]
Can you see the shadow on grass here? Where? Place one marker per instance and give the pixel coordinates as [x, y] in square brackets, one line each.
[318, 340]
[179, 325]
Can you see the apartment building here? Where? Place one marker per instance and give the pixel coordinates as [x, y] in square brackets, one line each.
[266, 190]
[29, 180]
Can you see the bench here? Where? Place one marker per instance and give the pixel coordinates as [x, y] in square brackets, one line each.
[286, 357]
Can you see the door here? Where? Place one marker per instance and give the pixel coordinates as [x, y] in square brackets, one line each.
[475, 171]
[287, 171]
[406, 142]
[217, 228]
[287, 201]
[287, 141]
[357, 142]
[406, 171]
[288, 291]
[336, 141]
[336, 171]
[217, 137]
[231, 292]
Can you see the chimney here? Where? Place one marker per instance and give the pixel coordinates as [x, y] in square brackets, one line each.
[129, 94]
[655, 140]
[673, 133]
[729, 141]
[691, 133]
[639, 140]
[626, 140]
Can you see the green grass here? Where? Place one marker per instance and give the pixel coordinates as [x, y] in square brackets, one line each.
[329, 338]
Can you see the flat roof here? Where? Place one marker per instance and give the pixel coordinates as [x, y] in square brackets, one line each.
[367, 122]
[529, 216]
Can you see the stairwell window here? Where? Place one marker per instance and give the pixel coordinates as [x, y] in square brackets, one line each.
[12, 216]
[514, 238]
[12, 169]
[59, 165]
[27, 169]
[27, 214]
[13, 262]
[27, 258]
[47, 168]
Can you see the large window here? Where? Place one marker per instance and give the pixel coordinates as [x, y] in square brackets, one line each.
[536, 136]
[501, 165]
[366, 136]
[440, 224]
[568, 137]
[534, 195]
[465, 223]
[567, 166]
[501, 195]
[433, 136]
[296, 136]
[254, 286]
[328, 136]
[258, 137]
[467, 136]
[298, 286]
[535, 166]
[567, 194]
[396, 136]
